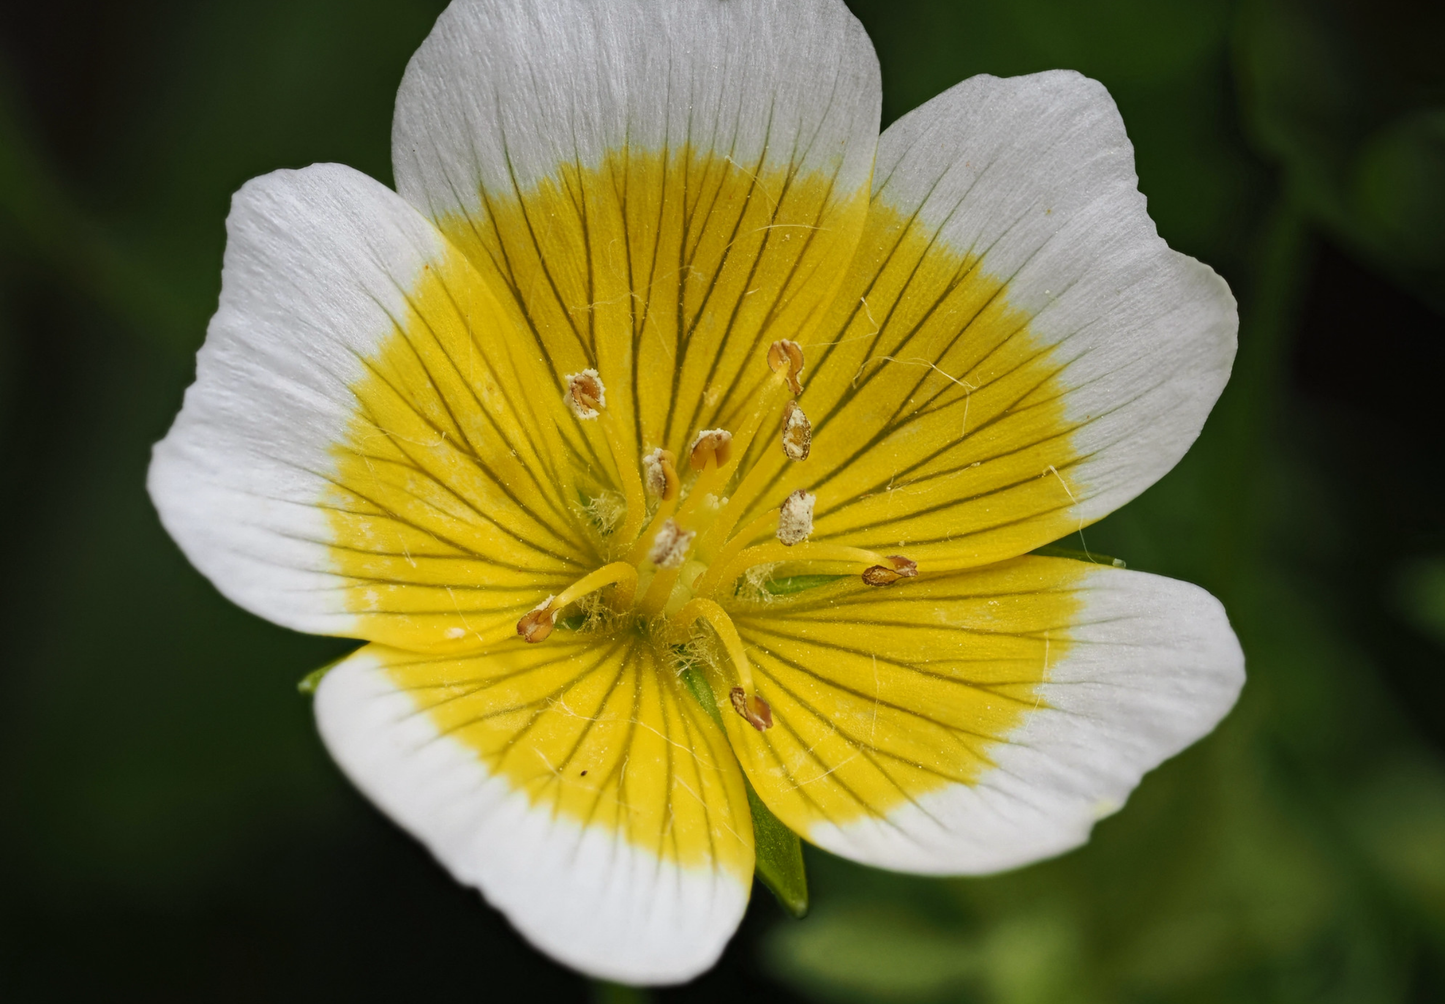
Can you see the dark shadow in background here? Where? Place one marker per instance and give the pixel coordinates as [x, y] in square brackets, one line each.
[171, 827]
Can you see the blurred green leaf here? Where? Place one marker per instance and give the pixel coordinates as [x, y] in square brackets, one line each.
[1419, 594]
[1398, 815]
[42, 220]
[1348, 96]
[868, 953]
[604, 992]
[1400, 187]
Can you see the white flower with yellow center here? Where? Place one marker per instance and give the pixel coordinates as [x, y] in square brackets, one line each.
[669, 427]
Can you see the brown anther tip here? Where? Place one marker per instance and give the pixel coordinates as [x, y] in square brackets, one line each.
[585, 394]
[538, 622]
[884, 575]
[755, 712]
[797, 432]
[659, 475]
[710, 444]
[903, 566]
[786, 357]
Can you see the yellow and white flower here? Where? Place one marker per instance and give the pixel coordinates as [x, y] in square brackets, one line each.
[662, 357]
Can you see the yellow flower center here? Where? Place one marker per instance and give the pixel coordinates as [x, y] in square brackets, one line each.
[627, 520]
[682, 553]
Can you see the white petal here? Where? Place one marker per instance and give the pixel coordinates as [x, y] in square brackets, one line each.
[493, 792]
[505, 92]
[1036, 175]
[1152, 666]
[316, 268]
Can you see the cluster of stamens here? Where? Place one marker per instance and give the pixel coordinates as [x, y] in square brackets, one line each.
[680, 545]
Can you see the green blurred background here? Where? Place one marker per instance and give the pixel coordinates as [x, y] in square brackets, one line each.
[170, 827]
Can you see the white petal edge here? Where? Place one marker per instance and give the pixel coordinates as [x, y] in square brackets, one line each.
[504, 92]
[595, 904]
[1036, 175]
[317, 265]
[1153, 667]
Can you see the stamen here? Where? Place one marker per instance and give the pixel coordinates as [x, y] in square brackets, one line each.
[744, 696]
[786, 357]
[797, 432]
[710, 451]
[723, 574]
[659, 476]
[587, 399]
[795, 518]
[715, 454]
[756, 712]
[897, 567]
[585, 394]
[669, 547]
[710, 444]
[537, 624]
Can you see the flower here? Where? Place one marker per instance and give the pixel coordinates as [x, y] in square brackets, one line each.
[662, 365]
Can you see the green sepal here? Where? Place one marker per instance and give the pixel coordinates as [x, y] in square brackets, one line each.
[695, 682]
[779, 857]
[307, 684]
[791, 584]
[1050, 551]
[779, 852]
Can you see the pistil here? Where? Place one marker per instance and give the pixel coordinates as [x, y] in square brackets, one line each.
[708, 581]
[714, 454]
[665, 529]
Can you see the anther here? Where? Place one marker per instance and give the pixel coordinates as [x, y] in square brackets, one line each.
[669, 547]
[710, 444]
[797, 432]
[786, 357]
[755, 712]
[898, 567]
[659, 476]
[795, 517]
[538, 624]
[585, 394]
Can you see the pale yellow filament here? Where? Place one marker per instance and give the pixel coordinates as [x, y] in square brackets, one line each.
[631, 474]
[623, 575]
[722, 575]
[722, 624]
